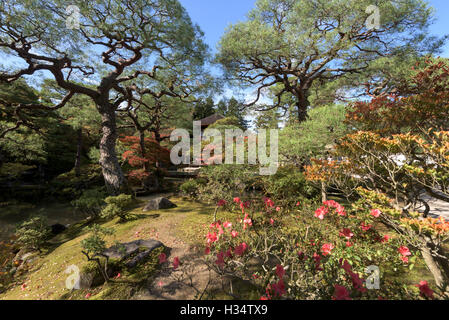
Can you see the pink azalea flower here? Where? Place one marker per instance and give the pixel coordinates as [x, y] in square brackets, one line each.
[278, 209]
[234, 233]
[237, 200]
[376, 213]
[227, 224]
[211, 237]
[271, 221]
[88, 295]
[404, 251]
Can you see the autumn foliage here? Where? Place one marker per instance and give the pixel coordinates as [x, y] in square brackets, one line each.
[141, 165]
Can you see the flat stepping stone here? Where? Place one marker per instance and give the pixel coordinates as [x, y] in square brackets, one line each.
[158, 204]
[125, 250]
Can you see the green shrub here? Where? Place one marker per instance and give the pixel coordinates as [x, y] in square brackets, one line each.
[69, 186]
[190, 188]
[224, 182]
[33, 233]
[94, 245]
[91, 201]
[117, 207]
[289, 186]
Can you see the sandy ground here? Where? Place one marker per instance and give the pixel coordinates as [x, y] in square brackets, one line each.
[190, 279]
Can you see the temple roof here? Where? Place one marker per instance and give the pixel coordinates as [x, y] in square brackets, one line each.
[211, 119]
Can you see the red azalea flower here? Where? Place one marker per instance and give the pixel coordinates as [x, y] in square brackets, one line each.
[269, 203]
[229, 253]
[346, 233]
[341, 293]
[385, 238]
[425, 290]
[207, 250]
[211, 237]
[175, 263]
[237, 200]
[221, 203]
[220, 259]
[244, 204]
[326, 249]
[240, 249]
[365, 227]
[321, 212]
[280, 271]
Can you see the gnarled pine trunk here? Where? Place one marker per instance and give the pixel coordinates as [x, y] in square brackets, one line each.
[302, 105]
[112, 172]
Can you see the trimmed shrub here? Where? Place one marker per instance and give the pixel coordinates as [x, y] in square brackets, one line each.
[33, 233]
[91, 201]
[117, 207]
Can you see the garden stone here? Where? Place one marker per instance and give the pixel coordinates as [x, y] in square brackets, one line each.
[85, 280]
[125, 250]
[159, 203]
[58, 228]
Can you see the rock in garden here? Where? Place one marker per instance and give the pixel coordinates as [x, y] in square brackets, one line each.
[57, 228]
[85, 281]
[125, 250]
[159, 203]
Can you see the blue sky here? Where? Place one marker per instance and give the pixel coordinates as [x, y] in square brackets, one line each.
[213, 16]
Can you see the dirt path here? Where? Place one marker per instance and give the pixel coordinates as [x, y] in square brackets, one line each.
[178, 284]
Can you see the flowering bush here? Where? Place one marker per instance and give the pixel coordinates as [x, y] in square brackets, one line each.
[302, 254]
[402, 152]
